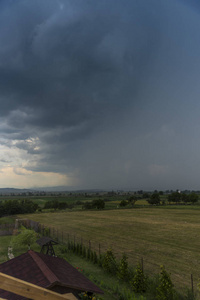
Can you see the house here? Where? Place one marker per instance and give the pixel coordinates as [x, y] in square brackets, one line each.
[46, 271]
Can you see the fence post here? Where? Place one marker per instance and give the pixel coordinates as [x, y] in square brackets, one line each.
[142, 265]
[192, 284]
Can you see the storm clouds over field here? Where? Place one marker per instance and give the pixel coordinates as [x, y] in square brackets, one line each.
[100, 94]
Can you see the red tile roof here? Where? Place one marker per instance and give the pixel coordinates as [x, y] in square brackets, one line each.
[46, 271]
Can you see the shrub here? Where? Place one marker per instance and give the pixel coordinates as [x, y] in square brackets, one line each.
[165, 289]
[25, 238]
[123, 272]
[139, 282]
[109, 262]
[123, 203]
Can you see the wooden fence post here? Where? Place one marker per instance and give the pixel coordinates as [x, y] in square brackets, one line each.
[192, 284]
[142, 265]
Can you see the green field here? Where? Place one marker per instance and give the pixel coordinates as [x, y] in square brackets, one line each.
[158, 235]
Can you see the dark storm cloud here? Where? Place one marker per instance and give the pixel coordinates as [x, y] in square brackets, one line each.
[73, 62]
[75, 74]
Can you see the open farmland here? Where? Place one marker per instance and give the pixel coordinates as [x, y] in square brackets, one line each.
[160, 235]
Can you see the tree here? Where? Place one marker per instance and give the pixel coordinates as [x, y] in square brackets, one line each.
[154, 199]
[123, 203]
[99, 204]
[165, 290]
[145, 196]
[175, 197]
[132, 200]
[25, 238]
[193, 198]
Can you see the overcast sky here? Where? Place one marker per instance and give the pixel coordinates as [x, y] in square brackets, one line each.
[100, 94]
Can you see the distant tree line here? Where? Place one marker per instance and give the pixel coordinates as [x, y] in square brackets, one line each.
[55, 204]
[175, 197]
[13, 207]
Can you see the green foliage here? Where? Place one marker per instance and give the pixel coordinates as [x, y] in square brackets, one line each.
[95, 258]
[132, 200]
[99, 204]
[123, 272]
[109, 263]
[88, 296]
[84, 251]
[123, 203]
[193, 198]
[154, 199]
[88, 254]
[26, 237]
[139, 282]
[13, 207]
[55, 204]
[165, 290]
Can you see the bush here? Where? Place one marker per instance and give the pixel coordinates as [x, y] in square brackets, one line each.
[109, 263]
[123, 272]
[123, 203]
[26, 238]
[139, 282]
[165, 289]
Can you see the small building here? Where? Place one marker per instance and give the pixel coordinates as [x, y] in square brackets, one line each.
[46, 271]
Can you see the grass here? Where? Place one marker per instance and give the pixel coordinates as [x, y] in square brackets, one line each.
[4, 243]
[109, 284]
[158, 235]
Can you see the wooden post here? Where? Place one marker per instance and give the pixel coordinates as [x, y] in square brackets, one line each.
[192, 284]
[99, 250]
[142, 265]
[89, 245]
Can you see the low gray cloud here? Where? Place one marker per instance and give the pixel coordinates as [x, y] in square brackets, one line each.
[84, 85]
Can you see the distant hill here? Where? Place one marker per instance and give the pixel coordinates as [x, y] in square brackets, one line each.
[14, 191]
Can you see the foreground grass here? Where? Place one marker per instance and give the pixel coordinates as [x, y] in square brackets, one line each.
[4, 243]
[159, 236]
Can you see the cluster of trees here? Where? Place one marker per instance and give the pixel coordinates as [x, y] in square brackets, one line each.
[175, 197]
[55, 204]
[99, 204]
[182, 197]
[131, 200]
[13, 207]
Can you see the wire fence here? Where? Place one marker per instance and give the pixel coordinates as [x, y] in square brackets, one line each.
[6, 229]
[65, 238]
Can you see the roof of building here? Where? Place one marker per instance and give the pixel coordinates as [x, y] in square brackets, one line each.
[46, 271]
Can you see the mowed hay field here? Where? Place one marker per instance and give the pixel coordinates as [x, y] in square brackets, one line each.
[161, 236]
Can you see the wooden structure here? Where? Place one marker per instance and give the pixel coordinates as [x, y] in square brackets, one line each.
[29, 290]
[48, 272]
[46, 244]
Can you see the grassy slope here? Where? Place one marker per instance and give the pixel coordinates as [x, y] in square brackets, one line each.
[159, 235]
